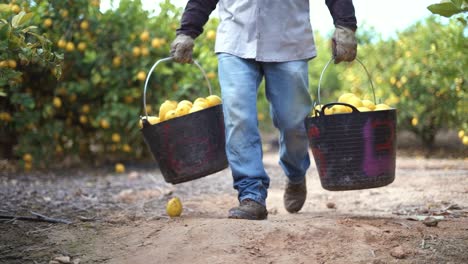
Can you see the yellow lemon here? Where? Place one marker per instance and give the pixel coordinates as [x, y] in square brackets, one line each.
[145, 36]
[141, 76]
[116, 137]
[27, 158]
[344, 97]
[57, 102]
[85, 108]
[116, 61]
[329, 111]
[136, 51]
[382, 107]
[12, 64]
[119, 168]
[369, 104]
[174, 207]
[316, 108]
[15, 8]
[70, 46]
[461, 134]
[182, 110]
[84, 25]
[414, 121]
[341, 109]
[153, 120]
[145, 51]
[170, 115]
[363, 109]
[465, 140]
[156, 43]
[104, 123]
[200, 99]
[27, 166]
[81, 46]
[211, 34]
[213, 100]
[62, 43]
[354, 101]
[196, 108]
[187, 102]
[48, 22]
[83, 119]
[165, 107]
[203, 104]
[126, 148]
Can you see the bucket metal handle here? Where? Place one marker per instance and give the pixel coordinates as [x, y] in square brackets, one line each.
[154, 67]
[362, 64]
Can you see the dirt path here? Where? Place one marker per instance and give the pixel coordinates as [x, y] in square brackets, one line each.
[123, 219]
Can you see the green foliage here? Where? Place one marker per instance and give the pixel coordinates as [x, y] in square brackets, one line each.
[448, 8]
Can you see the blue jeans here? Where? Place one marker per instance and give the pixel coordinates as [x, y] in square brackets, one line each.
[286, 88]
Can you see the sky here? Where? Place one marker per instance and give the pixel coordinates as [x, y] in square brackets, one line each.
[386, 17]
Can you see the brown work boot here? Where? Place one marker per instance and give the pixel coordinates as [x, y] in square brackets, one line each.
[250, 210]
[295, 196]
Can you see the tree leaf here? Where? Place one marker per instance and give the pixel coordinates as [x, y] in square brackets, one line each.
[4, 8]
[446, 9]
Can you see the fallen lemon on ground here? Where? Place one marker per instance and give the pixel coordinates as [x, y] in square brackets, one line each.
[174, 207]
[119, 168]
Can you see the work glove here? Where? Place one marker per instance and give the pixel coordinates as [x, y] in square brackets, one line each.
[182, 49]
[344, 44]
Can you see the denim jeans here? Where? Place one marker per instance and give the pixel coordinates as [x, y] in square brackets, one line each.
[286, 88]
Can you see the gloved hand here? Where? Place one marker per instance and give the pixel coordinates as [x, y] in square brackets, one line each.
[344, 44]
[182, 49]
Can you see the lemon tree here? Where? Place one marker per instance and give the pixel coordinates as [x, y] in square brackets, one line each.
[25, 54]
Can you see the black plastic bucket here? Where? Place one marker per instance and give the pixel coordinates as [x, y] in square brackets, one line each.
[354, 150]
[187, 147]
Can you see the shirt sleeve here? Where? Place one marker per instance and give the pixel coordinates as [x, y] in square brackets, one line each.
[342, 12]
[195, 16]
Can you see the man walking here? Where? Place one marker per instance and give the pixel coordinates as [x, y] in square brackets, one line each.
[271, 40]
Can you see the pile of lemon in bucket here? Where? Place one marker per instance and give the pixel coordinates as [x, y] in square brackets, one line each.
[170, 109]
[352, 99]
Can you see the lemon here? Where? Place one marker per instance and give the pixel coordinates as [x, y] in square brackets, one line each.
[344, 97]
[200, 99]
[85, 108]
[316, 108]
[153, 120]
[165, 107]
[141, 76]
[329, 111]
[465, 140]
[461, 134]
[156, 43]
[341, 109]
[145, 51]
[57, 102]
[170, 115]
[119, 168]
[81, 46]
[83, 119]
[203, 104]
[369, 104]
[27, 158]
[414, 121]
[12, 64]
[84, 25]
[182, 109]
[174, 207]
[187, 102]
[116, 137]
[104, 123]
[382, 107]
[62, 43]
[48, 22]
[136, 51]
[196, 108]
[70, 46]
[211, 34]
[145, 36]
[363, 109]
[213, 100]
[116, 61]
[354, 101]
